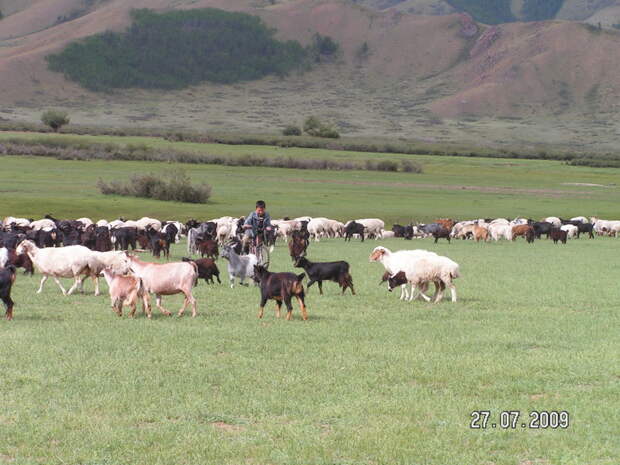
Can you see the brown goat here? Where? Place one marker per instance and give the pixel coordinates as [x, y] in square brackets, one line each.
[480, 233]
[446, 222]
[524, 230]
[209, 248]
[124, 291]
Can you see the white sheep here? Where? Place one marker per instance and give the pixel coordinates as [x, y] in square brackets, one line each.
[401, 260]
[571, 230]
[425, 269]
[554, 220]
[63, 262]
[499, 230]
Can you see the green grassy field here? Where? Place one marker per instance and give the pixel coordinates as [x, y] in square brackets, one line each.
[449, 186]
[367, 379]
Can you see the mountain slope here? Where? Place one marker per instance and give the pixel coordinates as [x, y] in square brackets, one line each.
[418, 70]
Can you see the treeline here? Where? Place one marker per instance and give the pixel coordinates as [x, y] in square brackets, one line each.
[499, 11]
[177, 49]
[537, 10]
[69, 150]
[358, 144]
[486, 11]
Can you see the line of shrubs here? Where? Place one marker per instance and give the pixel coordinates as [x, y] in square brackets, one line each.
[69, 150]
[359, 144]
[175, 186]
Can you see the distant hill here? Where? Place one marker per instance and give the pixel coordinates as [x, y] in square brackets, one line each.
[435, 77]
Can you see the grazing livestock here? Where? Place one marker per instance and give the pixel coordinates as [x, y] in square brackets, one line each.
[443, 233]
[398, 230]
[281, 287]
[480, 233]
[402, 260]
[541, 228]
[298, 245]
[18, 261]
[103, 242]
[337, 272]
[557, 234]
[353, 228]
[115, 261]
[426, 269]
[4, 256]
[125, 291]
[446, 223]
[388, 234]
[372, 227]
[63, 262]
[167, 279]
[44, 224]
[524, 230]
[500, 230]
[554, 220]
[585, 228]
[172, 232]
[124, 237]
[572, 231]
[207, 268]
[239, 266]
[209, 248]
[7, 278]
[158, 242]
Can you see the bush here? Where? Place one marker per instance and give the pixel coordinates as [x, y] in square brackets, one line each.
[323, 46]
[55, 119]
[328, 132]
[314, 127]
[291, 130]
[176, 186]
[409, 166]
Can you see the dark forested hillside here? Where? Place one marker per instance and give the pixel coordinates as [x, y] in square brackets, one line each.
[179, 48]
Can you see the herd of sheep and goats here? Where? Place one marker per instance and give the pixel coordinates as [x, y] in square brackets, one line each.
[81, 248]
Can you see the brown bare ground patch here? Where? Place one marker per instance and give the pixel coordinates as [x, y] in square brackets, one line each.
[228, 427]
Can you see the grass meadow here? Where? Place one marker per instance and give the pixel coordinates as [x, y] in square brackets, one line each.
[368, 379]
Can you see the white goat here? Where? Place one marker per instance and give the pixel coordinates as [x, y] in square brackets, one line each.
[116, 261]
[239, 266]
[63, 262]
